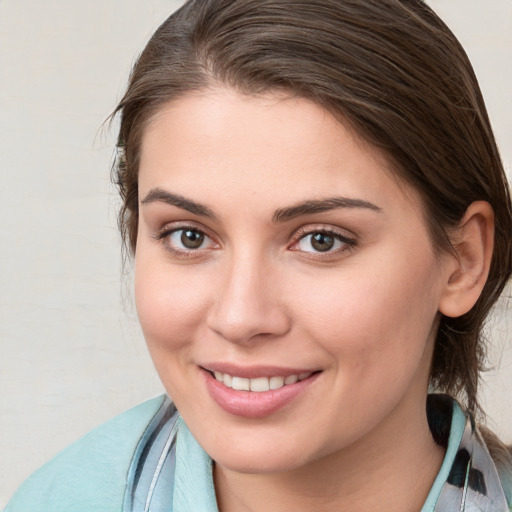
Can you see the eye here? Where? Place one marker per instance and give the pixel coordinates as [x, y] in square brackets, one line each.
[188, 239]
[322, 241]
[185, 241]
[319, 242]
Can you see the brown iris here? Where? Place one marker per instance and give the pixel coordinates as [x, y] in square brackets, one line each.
[192, 239]
[322, 242]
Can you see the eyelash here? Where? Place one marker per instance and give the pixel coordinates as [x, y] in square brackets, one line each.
[300, 235]
[166, 232]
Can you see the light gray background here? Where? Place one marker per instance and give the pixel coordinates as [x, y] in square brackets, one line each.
[71, 353]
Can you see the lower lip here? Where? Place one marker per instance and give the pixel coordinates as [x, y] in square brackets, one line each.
[252, 404]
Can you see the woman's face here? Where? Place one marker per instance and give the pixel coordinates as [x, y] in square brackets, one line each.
[277, 253]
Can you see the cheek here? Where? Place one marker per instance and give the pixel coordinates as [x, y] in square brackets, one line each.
[169, 303]
[378, 319]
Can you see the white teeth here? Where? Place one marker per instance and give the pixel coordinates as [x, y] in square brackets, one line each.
[291, 379]
[259, 384]
[276, 382]
[240, 384]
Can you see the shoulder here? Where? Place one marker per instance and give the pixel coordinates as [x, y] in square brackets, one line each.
[91, 473]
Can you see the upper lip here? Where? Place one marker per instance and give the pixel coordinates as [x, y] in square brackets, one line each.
[254, 371]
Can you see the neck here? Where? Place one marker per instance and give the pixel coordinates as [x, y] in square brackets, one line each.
[392, 467]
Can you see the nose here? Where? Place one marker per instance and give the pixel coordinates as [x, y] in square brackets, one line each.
[249, 303]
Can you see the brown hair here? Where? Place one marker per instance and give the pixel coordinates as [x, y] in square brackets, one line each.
[392, 70]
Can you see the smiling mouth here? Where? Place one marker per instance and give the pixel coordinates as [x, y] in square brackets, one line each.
[259, 384]
[256, 391]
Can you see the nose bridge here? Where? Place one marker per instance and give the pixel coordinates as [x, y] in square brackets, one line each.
[247, 302]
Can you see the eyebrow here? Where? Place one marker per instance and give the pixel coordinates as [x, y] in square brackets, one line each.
[162, 196]
[281, 215]
[321, 205]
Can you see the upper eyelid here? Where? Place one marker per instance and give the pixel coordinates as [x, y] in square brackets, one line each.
[322, 228]
[179, 225]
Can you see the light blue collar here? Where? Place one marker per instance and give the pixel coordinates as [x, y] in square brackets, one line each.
[170, 472]
[468, 480]
[193, 489]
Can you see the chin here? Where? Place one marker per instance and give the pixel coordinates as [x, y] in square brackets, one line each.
[260, 453]
[260, 461]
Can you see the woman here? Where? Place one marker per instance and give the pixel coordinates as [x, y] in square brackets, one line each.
[320, 223]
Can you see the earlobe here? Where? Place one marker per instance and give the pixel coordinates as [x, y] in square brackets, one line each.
[467, 272]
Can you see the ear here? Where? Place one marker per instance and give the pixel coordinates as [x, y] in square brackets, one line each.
[467, 273]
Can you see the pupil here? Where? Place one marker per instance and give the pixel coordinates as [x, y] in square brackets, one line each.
[322, 242]
[191, 239]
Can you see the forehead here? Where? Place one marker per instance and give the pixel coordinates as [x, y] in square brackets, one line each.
[275, 147]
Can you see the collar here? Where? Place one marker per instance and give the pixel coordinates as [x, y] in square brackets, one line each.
[170, 472]
[468, 480]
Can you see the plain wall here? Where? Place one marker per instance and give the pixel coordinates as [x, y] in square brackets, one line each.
[71, 353]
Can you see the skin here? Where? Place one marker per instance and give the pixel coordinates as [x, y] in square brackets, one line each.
[257, 292]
